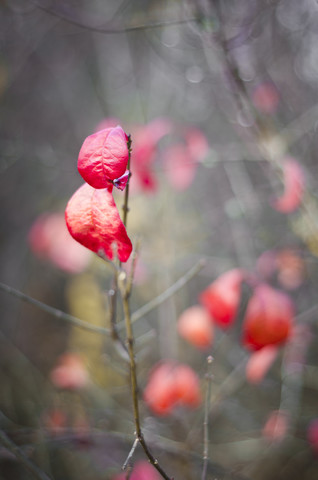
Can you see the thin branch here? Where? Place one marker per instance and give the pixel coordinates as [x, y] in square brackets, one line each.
[125, 206]
[206, 418]
[141, 312]
[122, 282]
[134, 258]
[155, 302]
[21, 457]
[59, 314]
[112, 30]
[130, 454]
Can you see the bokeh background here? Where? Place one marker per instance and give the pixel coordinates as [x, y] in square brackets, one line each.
[233, 88]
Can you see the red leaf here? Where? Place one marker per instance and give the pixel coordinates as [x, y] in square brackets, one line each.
[144, 150]
[276, 426]
[268, 319]
[195, 326]
[93, 220]
[222, 297]
[49, 239]
[141, 471]
[180, 166]
[259, 363]
[294, 180]
[70, 372]
[171, 385]
[265, 98]
[103, 157]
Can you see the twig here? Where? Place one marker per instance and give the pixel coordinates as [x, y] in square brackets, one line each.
[125, 206]
[134, 257]
[206, 418]
[65, 317]
[155, 302]
[130, 454]
[20, 455]
[112, 30]
[122, 282]
[141, 312]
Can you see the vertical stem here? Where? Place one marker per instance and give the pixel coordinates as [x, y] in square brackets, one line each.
[206, 419]
[133, 372]
[133, 375]
[125, 206]
[125, 289]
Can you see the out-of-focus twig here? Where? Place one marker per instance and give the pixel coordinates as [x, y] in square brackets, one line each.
[110, 30]
[21, 457]
[141, 312]
[206, 418]
[155, 302]
[122, 282]
[59, 314]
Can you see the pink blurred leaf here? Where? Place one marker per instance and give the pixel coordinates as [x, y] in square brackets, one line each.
[50, 239]
[171, 385]
[294, 181]
[197, 144]
[141, 471]
[222, 297]
[144, 148]
[276, 426]
[195, 326]
[180, 167]
[265, 98]
[70, 372]
[259, 363]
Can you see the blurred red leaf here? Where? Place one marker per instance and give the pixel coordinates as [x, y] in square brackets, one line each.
[171, 385]
[294, 181]
[195, 326]
[268, 319]
[144, 148]
[180, 167]
[260, 362]
[141, 471]
[276, 426]
[49, 239]
[93, 220]
[70, 372]
[312, 435]
[197, 144]
[222, 297]
[265, 98]
[103, 157]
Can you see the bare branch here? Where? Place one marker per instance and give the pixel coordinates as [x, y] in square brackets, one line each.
[59, 314]
[155, 302]
[112, 30]
[21, 457]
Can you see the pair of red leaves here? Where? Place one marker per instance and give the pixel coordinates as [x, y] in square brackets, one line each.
[91, 214]
[172, 385]
[269, 314]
